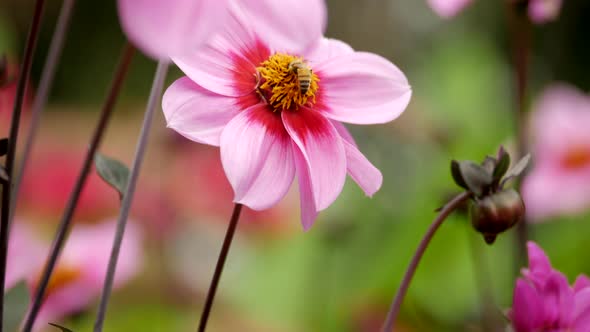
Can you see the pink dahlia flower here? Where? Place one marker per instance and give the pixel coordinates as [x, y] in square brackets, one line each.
[164, 28]
[448, 8]
[276, 112]
[539, 11]
[544, 301]
[542, 11]
[78, 278]
[561, 148]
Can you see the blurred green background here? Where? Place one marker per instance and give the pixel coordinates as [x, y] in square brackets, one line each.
[342, 274]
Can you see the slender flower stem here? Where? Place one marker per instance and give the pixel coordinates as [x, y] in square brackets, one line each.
[63, 228]
[55, 49]
[155, 94]
[520, 28]
[388, 326]
[233, 223]
[25, 72]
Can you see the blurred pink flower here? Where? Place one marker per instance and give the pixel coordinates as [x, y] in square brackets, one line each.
[448, 8]
[560, 180]
[78, 278]
[544, 301]
[7, 96]
[48, 183]
[165, 28]
[244, 96]
[539, 11]
[542, 11]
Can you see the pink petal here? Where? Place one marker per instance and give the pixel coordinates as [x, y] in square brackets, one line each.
[309, 212]
[538, 260]
[582, 311]
[25, 254]
[367, 176]
[164, 28]
[582, 282]
[527, 308]
[362, 88]
[227, 63]
[323, 151]
[448, 8]
[327, 48]
[256, 156]
[558, 301]
[291, 25]
[543, 11]
[196, 113]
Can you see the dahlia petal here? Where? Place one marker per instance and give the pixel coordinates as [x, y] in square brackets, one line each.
[163, 28]
[527, 308]
[309, 212]
[448, 8]
[538, 260]
[327, 48]
[256, 157]
[582, 282]
[558, 300]
[362, 88]
[197, 113]
[227, 63]
[360, 169]
[367, 176]
[582, 311]
[287, 23]
[323, 151]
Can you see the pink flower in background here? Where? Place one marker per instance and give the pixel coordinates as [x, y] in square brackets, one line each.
[539, 11]
[248, 97]
[165, 28]
[542, 11]
[79, 275]
[50, 179]
[559, 183]
[448, 8]
[544, 301]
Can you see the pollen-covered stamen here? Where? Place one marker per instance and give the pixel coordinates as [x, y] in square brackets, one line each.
[286, 82]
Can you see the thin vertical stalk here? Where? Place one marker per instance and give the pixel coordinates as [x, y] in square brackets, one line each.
[229, 235]
[63, 228]
[49, 69]
[25, 72]
[520, 29]
[388, 326]
[155, 94]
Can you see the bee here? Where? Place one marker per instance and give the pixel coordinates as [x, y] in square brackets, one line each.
[304, 74]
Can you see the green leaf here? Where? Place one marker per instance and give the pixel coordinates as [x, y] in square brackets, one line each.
[113, 172]
[64, 329]
[16, 302]
[517, 169]
[475, 176]
[502, 165]
[3, 146]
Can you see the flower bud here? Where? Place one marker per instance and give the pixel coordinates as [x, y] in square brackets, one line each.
[495, 213]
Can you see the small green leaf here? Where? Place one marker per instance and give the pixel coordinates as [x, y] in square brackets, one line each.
[502, 165]
[3, 146]
[517, 169]
[64, 329]
[456, 173]
[113, 172]
[16, 302]
[475, 176]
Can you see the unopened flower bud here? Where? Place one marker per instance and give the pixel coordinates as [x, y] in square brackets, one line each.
[495, 213]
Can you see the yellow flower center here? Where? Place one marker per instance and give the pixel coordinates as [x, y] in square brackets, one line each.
[61, 277]
[286, 82]
[576, 157]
